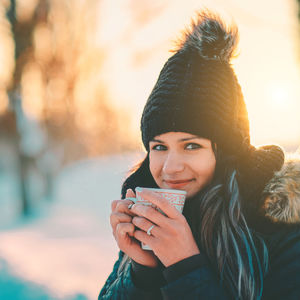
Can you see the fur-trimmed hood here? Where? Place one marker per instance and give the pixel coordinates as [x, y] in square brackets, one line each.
[281, 195]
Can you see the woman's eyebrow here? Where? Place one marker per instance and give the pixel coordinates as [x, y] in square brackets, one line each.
[189, 138]
[157, 141]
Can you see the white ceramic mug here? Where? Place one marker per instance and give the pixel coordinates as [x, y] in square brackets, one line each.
[175, 197]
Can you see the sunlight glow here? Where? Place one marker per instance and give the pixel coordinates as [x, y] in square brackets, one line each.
[274, 118]
[280, 95]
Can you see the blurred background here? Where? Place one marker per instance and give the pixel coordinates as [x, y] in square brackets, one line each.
[74, 77]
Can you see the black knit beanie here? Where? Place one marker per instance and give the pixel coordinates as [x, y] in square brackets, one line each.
[197, 92]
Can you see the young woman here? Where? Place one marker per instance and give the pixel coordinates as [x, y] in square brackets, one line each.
[239, 234]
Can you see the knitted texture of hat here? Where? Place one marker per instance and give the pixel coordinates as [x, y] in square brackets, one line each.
[197, 90]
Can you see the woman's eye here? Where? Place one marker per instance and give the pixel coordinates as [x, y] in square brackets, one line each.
[159, 147]
[192, 146]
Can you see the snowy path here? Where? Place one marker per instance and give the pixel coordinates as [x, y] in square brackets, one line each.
[67, 251]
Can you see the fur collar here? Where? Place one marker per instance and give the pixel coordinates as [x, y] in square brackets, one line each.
[281, 195]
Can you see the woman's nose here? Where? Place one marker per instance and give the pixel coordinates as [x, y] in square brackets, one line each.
[173, 164]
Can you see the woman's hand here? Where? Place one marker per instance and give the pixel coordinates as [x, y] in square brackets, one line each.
[171, 238]
[123, 231]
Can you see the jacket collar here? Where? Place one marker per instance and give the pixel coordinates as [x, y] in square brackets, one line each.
[281, 195]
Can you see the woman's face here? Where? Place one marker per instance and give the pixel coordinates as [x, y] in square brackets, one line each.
[183, 161]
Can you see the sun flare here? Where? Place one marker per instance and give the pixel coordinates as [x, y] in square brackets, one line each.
[280, 95]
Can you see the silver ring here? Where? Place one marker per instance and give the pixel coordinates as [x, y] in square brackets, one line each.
[130, 205]
[149, 230]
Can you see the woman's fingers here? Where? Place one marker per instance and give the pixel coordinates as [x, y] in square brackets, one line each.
[144, 224]
[121, 206]
[149, 213]
[162, 203]
[116, 218]
[114, 204]
[121, 212]
[152, 214]
[143, 237]
[122, 229]
[130, 193]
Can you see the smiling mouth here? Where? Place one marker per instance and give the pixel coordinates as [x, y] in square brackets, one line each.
[178, 183]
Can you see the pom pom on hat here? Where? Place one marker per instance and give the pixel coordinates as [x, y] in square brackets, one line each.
[210, 36]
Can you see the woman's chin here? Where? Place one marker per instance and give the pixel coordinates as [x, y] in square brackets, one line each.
[190, 194]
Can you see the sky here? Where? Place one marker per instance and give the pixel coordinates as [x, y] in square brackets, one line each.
[139, 35]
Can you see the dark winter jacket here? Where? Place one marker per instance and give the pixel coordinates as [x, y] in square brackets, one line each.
[194, 278]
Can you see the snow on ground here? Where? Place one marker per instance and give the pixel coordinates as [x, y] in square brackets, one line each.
[66, 251]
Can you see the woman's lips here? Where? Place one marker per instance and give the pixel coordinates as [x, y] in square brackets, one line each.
[177, 184]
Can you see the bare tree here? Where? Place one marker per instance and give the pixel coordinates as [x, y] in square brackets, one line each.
[55, 84]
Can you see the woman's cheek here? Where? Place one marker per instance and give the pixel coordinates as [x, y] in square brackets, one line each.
[155, 162]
